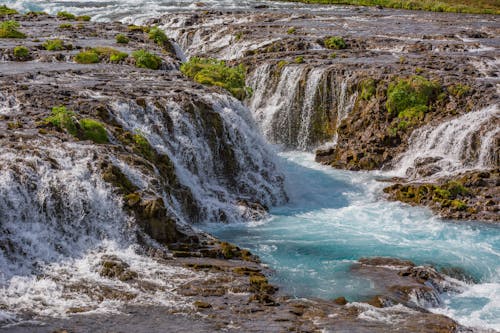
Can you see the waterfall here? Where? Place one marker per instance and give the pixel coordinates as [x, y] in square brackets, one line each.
[299, 106]
[470, 141]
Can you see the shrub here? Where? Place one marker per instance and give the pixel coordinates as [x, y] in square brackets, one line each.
[66, 26]
[411, 97]
[87, 57]
[335, 43]
[21, 53]
[158, 36]
[122, 39]
[144, 59]
[4, 10]
[66, 16]
[93, 130]
[54, 45]
[8, 29]
[214, 72]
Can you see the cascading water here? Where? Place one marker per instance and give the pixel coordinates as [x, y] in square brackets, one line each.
[468, 142]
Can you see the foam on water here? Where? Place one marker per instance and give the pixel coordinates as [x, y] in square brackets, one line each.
[336, 217]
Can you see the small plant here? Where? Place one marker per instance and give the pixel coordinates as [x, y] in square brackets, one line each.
[458, 205]
[135, 28]
[215, 72]
[66, 16]
[54, 45]
[458, 90]
[291, 31]
[4, 11]
[62, 119]
[66, 26]
[144, 59]
[333, 55]
[158, 36]
[87, 57]
[282, 63]
[143, 146]
[8, 29]
[84, 18]
[368, 89]
[21, 53]
[122, 39]
[238, 36]
[299, 60]
[92, 130]
[335, 43]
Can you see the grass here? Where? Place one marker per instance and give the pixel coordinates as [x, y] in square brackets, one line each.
[122, 39]
[158, 36]
[335, 43]
[21, 53]
[8, 29]
[455, 6]
[215, 72]
[66, 16]
[4, 10]
[84, 129]
[144, 59]
[54, 45]
[87, 57]
[97, 54]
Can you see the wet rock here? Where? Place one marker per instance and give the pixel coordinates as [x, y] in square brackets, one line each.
[112, 267]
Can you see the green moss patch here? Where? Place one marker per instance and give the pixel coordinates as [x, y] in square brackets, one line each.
[66, 16]
[215, 72]
[335, 43]
[158, 36]
[87, 57]
[21, 53]
[56, 45]
[4, 11]
[145, 59]
[100, 53]
[367, 89]
[93, 130]
[122, 39]
[8, 29]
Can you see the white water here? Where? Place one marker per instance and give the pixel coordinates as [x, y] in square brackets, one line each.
[464, 143]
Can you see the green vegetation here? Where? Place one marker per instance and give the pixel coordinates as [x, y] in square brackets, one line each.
[4, 11]
[134, 28]
[93, 130]
[143, 146]
[21, 53]
[158, 36]
[66, 16]
[144, 59]
[54, 45]
[84, 129]
[333, 55]
[214, 72]
[87, 57]
[410, 98]
[368, 88]
[84, 18]
[96, 54]
[459, 90]
[291, 31]
[299, 60]
[8, 29]
[66, 26]
[282, 63]
[455, 6]
[122, 39]
[238, 36]
[335, 43]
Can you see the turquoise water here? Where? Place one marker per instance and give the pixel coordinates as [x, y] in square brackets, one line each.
[336, 217]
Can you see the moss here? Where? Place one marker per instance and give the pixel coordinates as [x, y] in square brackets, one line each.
[335, 43]
[93, 130]
[333, 55]
[202, 305]
[299, 60]
[458, 205]
[291, 31]
[21, 53]
[143, 147]
[281, 64]
[87, 57]
[84, 18]
[441, 193]
[455, 188]
[65, 15]
[411, 97]
[14, 125]
[122, 39]
[228, 250]
[144, 59]
[4, 10]
[62, 119]
[54, 45]
[214, 72]
[459, 90]
[368, 89]
[66, 26]
[158, 36]
[238, 36]
[8, 29]
[135, 28]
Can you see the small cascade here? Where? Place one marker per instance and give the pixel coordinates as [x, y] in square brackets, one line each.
[300, 106]
[470, 141]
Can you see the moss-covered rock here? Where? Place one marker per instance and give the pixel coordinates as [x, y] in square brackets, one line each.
[335, 43]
